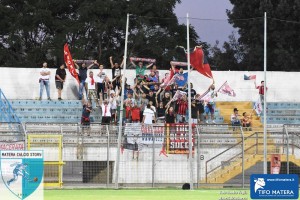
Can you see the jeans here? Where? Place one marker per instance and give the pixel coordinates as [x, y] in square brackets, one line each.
[81, 87]
[47, 86]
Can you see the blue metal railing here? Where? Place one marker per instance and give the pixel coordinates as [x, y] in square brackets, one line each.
[7, 113]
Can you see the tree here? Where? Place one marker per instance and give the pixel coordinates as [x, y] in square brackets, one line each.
[282, 35]
[35, 31]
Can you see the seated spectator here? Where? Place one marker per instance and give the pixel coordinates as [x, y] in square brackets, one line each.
[247, 120]
[170, 115]
[235, 121]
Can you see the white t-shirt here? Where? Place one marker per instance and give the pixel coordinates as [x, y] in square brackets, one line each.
[89, 82]
[101, 77]
[149, 114]
[106, 111]
[44, 70]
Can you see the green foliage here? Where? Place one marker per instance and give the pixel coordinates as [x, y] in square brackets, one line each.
[33, 31]
[282, 35]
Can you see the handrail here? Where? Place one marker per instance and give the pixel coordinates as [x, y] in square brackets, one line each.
[206, 170]
[10, 109]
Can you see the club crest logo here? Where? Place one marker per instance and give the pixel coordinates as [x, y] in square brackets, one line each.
[259, 184]
[21, 172]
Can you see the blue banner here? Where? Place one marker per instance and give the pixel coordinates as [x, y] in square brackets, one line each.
[274, 186]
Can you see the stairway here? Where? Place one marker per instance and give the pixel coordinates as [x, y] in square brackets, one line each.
[226, 109]
[252, 145]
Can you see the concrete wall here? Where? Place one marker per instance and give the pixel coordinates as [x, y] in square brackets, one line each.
[22, 83]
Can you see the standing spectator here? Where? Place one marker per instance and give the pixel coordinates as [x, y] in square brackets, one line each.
[115, 68]
[60, 78]
[152, 97]
[144, 103]
[140, 69]
[261, 90]
[161, 111]
[165, 100]
[193, 92]
[44, 80]
[82, 73]
[105, 110]
[113, 100]
[135, 114]
[155, 71]
[85, 117]
[234, 118]
[100, 81]
[91, 85]
[149, 116]
[210, 103]
[181, 78]
[181, 109]
[170, 115]
[195, 112]
[153, 80]
[200, 107]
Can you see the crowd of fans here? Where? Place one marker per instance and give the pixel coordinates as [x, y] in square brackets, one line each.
[148, 101]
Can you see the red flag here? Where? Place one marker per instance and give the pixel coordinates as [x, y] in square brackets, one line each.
[199, 62]
[69, 62]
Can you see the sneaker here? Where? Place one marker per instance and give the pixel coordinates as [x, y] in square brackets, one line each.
[206, 121]
[213, 121]
[40, 98]
[59, 99]
[49, 98]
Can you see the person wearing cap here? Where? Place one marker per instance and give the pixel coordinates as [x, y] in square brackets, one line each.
[235, 121]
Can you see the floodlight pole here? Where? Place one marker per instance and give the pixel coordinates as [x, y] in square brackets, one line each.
[265, 95]
[189, 104]
[121, 108]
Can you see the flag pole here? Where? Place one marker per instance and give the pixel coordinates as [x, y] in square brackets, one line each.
[265, 95]
[121, 108]
[189, 104]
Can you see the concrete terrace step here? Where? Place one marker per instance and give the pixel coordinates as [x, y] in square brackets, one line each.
[283, 105]
[45, 103]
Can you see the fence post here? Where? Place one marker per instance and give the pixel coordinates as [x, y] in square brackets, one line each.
[198, 157]
[243, 157]
[287, 149]
[153, 156]
[108, 146]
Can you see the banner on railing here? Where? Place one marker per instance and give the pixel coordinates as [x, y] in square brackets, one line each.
[178, 138]
[4, 146]
[138, 136]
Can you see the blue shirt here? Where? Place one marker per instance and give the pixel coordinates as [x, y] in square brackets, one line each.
[181, 79]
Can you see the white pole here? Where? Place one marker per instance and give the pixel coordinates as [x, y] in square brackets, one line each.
[121, 108]
[265, 95]
[189, 103]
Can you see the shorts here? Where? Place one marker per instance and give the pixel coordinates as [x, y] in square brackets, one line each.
[92, 93]
[209, 108]
[59, 85]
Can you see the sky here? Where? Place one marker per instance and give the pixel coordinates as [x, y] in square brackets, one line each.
[208, 30]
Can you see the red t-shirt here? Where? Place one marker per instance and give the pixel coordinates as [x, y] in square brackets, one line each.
[135, 114]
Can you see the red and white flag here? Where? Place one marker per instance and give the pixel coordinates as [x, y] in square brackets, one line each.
[69, 62]
[178, 95]
[226, 89]
[206, 96]
[258, 106]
